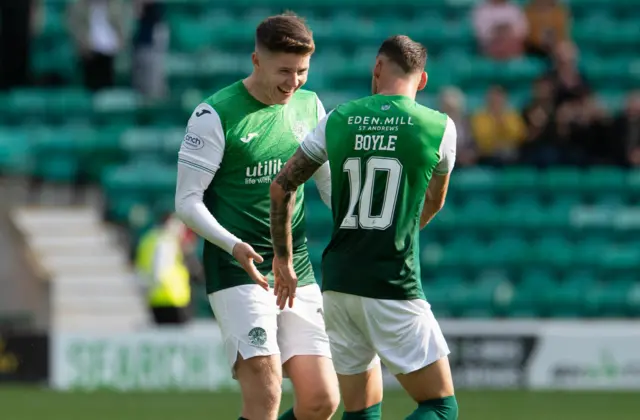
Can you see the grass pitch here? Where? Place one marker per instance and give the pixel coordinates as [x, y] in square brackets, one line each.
[38, 404]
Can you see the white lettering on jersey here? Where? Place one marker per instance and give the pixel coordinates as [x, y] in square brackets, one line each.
[375, 142]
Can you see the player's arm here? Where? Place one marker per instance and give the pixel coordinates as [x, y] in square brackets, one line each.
[439, 183]
[303, 164]
[322, 176]
[199, 158]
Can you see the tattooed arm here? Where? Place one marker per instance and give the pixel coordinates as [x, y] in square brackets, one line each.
[310, 156]
[283, 190]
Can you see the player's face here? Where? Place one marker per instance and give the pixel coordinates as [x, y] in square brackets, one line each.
[282, 74]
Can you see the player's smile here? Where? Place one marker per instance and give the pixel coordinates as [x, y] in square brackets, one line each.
[286, 92]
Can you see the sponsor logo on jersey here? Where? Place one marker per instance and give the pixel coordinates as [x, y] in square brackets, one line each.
[202, 112]
[192, 142]
[257, 336]
[249, 137]
[385, 107]
[263, 172]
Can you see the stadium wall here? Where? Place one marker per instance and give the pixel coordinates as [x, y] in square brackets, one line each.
[492, 354]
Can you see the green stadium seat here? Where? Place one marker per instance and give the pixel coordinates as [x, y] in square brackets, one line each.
[568, 297]
[609, 296]
[532, 295]
[553, 250]
[15, 152]
[517, 180]
[566, 180]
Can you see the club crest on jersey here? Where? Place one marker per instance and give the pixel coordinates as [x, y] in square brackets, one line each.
[300, 129]
[385, 107]
[257, 336]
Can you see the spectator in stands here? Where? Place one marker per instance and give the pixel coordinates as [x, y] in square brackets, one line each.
[150, 45]
[540, 148]
[19, 22]
[570, 84]
[501, 28]
[538, 112]
[589, 133]
[626, 130]
[452, 103]
[98, 28]
[499, 130]
[548, 24]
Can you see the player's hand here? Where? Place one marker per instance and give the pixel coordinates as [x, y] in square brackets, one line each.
[245, 255]
[285, 282]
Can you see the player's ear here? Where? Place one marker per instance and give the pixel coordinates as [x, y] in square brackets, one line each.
[377, 69]
[423, 80]
[254, 59]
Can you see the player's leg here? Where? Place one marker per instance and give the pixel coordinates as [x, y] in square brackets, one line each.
[247, 316]
[306, 356]
[353, 356]
[362, 394]
[436, 401]
[260, 379]
[410, 343]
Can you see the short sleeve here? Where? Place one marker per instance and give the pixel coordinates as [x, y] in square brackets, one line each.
[314, 144]
[447, 149]
[204, 142]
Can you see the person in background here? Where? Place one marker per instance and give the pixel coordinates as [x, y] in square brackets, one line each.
[569, 83]
[452, 103]
[538, 112]
[540, 147]
[498, 130]
[160, 261]
[99, 30]
[548, 24]
[150, 45]
[625, 129]
[501, 28]
[19, 22]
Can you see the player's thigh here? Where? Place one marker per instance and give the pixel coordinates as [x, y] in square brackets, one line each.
[407, 338]
[361, 390]
[247, 316]
[315, 386]
[352, 352]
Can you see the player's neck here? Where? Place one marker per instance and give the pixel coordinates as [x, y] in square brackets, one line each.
[397, 88]
[256, 89]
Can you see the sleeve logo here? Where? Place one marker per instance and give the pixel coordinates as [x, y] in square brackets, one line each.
[192, 142]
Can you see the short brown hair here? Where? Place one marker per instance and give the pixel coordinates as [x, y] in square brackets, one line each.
[287, 33]
[410, 55]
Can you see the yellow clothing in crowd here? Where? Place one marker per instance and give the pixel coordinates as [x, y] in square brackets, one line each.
[494, 134]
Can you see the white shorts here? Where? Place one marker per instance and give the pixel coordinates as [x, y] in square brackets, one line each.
[403, 333]
[252, 324]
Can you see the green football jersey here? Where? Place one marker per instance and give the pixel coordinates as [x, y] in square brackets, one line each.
[245, 143]
[382, 151]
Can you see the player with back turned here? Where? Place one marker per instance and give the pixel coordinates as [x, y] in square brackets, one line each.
[390, 161]
[236, 142]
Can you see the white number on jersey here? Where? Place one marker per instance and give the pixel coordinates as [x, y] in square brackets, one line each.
[363, 196]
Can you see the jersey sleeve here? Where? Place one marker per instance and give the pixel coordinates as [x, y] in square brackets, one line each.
[203, 145]
[321, 111]
[447, 149]
[315, 143]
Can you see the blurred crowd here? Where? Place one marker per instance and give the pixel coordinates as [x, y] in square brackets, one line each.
[564, 123]
[101, 30]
